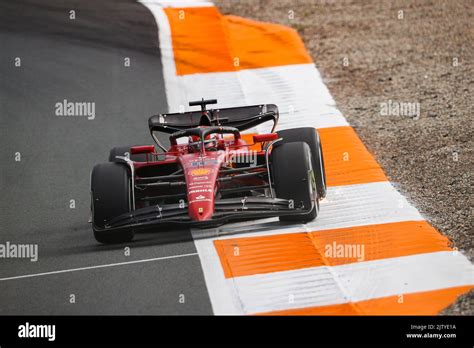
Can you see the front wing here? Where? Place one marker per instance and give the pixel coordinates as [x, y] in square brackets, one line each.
[226, 210]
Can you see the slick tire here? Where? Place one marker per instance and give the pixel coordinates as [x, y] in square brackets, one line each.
[293, 179]
[311, 137]
[111, 196]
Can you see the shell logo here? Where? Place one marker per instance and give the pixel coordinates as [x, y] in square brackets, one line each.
[200, 171]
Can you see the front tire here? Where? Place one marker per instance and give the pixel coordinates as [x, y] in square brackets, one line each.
[111, 196]
[293, 179]
[311, 137]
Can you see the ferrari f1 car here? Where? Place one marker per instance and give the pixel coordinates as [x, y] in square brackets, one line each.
[209, 174]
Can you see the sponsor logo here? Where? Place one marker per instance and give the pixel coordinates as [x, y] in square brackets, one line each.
[200, 200]
[199, 191]
[201, 178]
[201, 197]
[206, 162]
[200, 171]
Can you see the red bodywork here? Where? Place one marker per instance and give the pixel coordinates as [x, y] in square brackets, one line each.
[201, 169]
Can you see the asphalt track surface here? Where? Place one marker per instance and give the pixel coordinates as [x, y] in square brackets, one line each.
[81, 60]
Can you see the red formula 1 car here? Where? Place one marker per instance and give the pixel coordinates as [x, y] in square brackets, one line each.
[208, 175]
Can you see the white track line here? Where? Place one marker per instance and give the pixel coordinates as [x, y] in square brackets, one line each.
[98, 266]
[171, 80]
[166, 49]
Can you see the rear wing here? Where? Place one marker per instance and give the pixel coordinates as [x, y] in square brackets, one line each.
[242, 118]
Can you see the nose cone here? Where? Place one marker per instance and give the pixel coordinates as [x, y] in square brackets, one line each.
[201, 210]
[201, 174]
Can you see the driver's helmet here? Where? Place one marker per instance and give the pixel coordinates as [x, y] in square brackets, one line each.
[210, 143]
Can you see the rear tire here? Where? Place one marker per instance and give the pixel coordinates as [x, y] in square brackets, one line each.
[124, 151]
[294, 179]
[311, 137]
[111, 196]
